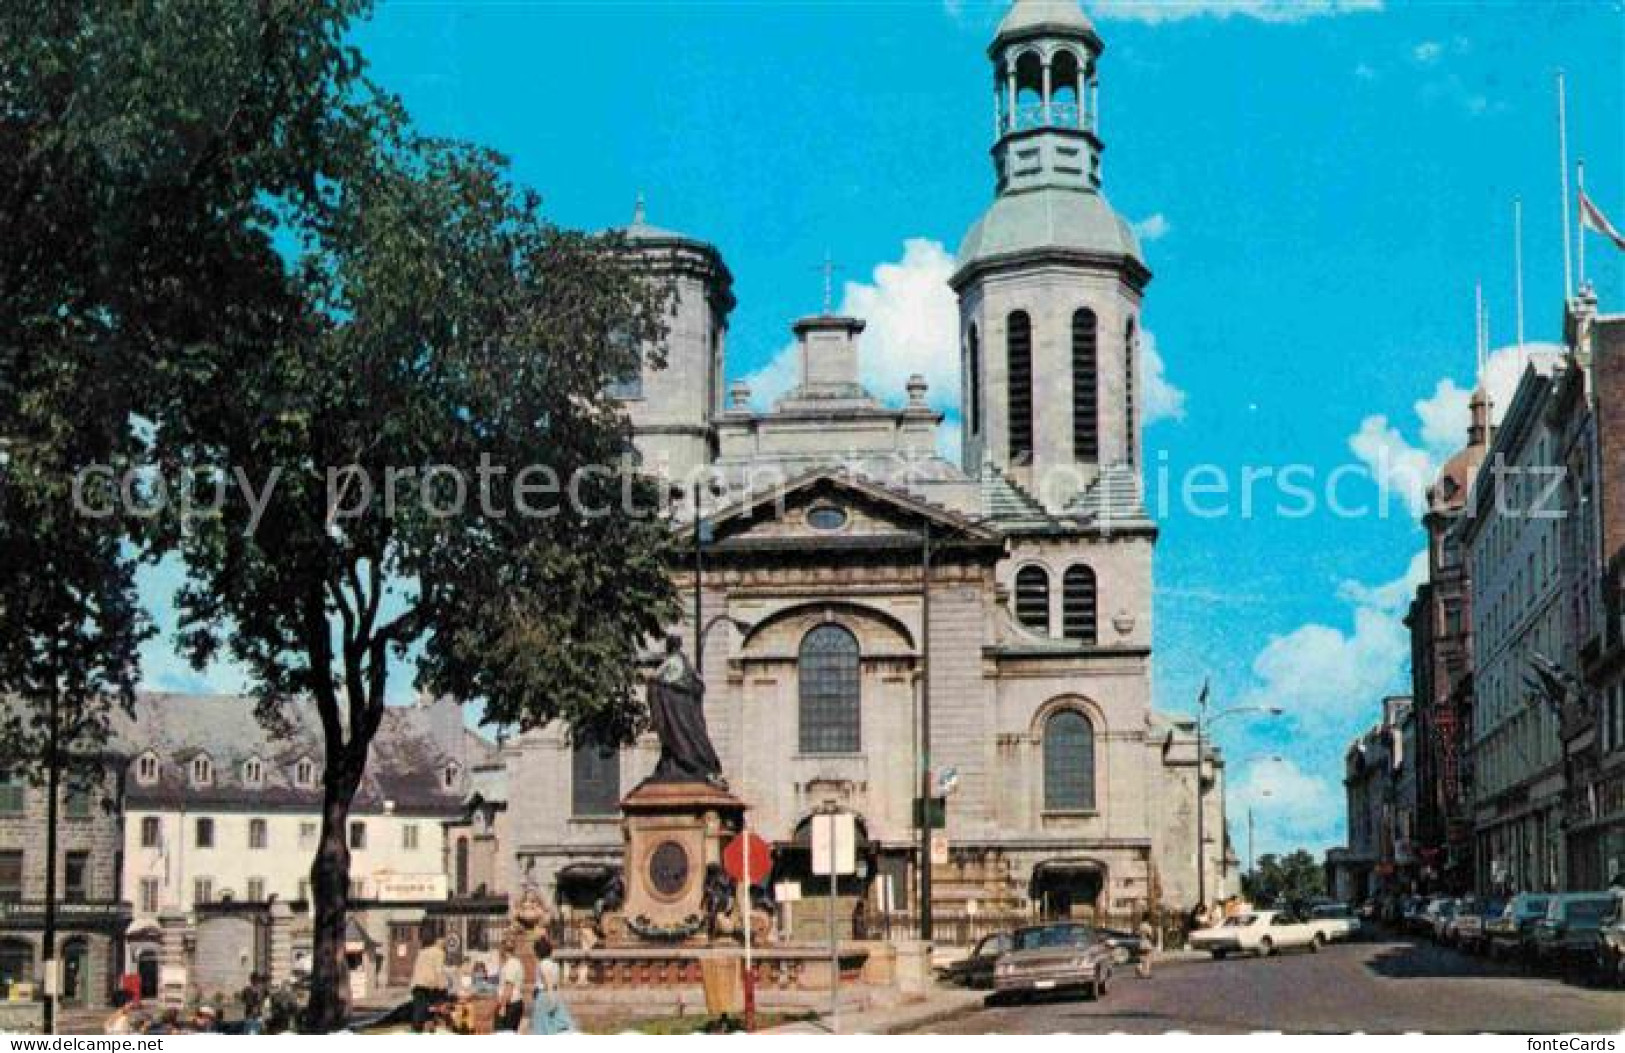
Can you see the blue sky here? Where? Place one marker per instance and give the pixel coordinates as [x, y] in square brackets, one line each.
[1318, 184]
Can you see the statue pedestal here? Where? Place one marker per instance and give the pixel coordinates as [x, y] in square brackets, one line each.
[675, 833]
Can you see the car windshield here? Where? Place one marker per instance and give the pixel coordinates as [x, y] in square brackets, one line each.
[1054, 936]
[1331, 910]
[993, 945]
[1240, 921]
[1536, 905]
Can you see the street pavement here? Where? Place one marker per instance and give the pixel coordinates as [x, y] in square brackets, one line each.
[1383, 985]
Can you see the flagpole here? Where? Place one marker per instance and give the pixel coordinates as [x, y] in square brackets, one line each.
[1563, 158]
[1580, 227]
[1478, 327]
[1517, 258]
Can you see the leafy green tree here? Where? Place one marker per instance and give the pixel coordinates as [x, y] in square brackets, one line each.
[448, 483]
[227, 254]
[1286, 880]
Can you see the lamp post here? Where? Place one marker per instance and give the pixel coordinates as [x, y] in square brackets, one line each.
[1204, 724]
[1252, 860]
[1224, 807]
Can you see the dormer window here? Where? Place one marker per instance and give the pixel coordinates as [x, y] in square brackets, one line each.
[304, 773]
[202, 770]
[450, 774]
[146, 769]
[253, 772]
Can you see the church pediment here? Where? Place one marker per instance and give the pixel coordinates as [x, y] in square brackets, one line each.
[834, 510]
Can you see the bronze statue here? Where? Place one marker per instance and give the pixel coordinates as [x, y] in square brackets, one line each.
[676, 710]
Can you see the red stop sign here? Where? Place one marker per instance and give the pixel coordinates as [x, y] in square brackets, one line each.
[761, 858]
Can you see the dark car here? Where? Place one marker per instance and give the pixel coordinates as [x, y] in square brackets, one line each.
[1126, 946]
[1510, 935]
[1567, 935]
[1060, 957]
[976, 969]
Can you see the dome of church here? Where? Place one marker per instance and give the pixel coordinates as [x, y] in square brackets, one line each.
[1049, 218]
[1449, 491]
[1030, 17]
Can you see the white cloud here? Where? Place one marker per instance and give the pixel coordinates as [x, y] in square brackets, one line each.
[1155, 11]
[1152, 227]
[1290, 807]
[1392, 596]
[1163, 401]
[1407, 467]
[913, 327]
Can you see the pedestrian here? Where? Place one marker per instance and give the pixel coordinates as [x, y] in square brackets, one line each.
[428, 982]
[253, 998]
[548, 1013]
[1148, 941]
[206, 1020]
[510, 988]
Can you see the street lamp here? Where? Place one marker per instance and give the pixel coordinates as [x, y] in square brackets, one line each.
[1252, 860]
[1204, 723]
[1224, 806]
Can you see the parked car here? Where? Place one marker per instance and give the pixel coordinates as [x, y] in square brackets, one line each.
[1335, 921]
[1126, 946]
[1413, 914]
[1260, 932]
[1567, 935]
[1611, 944]
[1045, 958]
[1440, 910]
[976, 969]
[1509, 935]
[1467, 930]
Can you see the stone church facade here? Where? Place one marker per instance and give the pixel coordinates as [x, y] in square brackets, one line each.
[849, 575]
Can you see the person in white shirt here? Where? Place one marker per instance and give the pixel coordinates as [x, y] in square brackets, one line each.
[510, 989]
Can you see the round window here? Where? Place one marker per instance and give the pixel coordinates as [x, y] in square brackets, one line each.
[826, 517]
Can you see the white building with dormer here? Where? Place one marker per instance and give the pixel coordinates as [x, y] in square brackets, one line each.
[851, 577]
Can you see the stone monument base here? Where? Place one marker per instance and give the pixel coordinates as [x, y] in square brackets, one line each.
[675, 833]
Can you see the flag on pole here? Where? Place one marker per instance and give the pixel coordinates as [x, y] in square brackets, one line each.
[1591, 216]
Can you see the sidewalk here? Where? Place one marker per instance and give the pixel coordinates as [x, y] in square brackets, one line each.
[941, 1004]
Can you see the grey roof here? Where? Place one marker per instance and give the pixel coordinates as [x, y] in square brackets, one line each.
[1031, 17]
[412, 747]
[1004, 500]
[1114, 498]
[1049, 218]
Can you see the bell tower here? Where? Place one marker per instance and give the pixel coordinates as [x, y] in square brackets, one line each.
[1050, 278]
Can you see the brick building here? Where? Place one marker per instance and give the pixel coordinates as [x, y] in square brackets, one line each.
[91, 912]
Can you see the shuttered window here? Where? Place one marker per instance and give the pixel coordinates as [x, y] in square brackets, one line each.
[1019, 355]
[1079, 605]
[595, 780]
[973, 379]
[828, 671]
[1130, 437]
[1069, 762]
[1085, 387]
[1032, 599]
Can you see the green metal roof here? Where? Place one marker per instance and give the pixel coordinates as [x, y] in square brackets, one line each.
[1049, 218]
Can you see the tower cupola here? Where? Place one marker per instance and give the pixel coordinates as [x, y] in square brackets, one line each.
[1045, 97]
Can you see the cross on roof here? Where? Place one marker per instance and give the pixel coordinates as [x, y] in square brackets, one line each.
[829, 267]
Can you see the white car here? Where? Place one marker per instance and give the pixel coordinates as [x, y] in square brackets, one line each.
[1260, 932]
[1335, 921]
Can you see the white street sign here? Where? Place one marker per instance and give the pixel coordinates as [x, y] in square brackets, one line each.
[834, 844]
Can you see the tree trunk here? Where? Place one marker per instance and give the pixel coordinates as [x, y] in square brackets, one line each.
[329, 1007]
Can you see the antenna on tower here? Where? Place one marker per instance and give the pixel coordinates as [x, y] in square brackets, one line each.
[828, 268]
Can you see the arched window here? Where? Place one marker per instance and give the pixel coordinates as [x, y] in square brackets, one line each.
[1079, 605]
[202, 770]
[595, 780]
[1032, 599]
[1064, 77]
[1069, 762]
[828, 670]
[1019, 354]
[1130, 437]
[1085, 387]
[973, 379]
